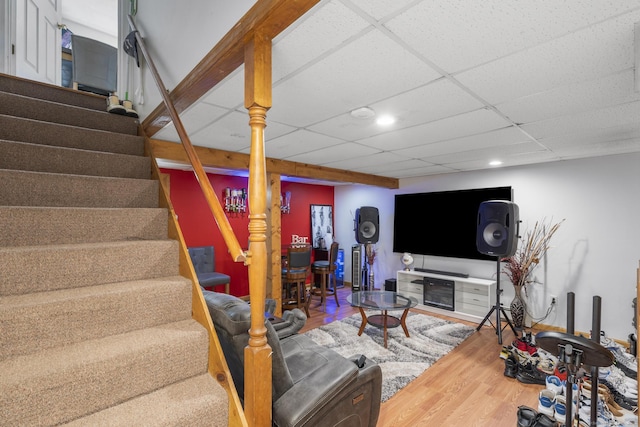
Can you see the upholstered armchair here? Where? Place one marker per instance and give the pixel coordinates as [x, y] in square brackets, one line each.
[312, 385]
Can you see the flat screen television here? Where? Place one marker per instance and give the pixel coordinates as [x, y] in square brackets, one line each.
[442, 223]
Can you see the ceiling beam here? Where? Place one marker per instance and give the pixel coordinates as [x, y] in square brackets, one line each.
[270, 17]
[239, 161]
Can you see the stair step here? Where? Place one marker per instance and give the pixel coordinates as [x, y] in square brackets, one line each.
[195, 402]
[50, 189]
[38, 268]
[42, 320]
[30, 88]
[46, 158]
[39, 132]
[30, 226]
[64, 383]
[37, 109]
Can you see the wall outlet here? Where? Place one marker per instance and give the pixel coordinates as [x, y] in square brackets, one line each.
[554, 299]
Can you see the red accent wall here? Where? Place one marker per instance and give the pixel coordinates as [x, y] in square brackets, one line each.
[199, 228]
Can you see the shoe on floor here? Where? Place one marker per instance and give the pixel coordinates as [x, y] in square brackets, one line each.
[128, 108]
[529, 374]
[543, 420]
[526, 416]
[554, 384]
[113, 106]
[510, 367]
[546, 401]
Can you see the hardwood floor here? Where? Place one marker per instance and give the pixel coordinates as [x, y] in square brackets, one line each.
[466, 388]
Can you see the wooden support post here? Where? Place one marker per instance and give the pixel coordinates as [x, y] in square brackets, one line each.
[275, 242]
[257, 361]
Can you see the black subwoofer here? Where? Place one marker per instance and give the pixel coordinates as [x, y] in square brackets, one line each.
[367, 225]
[498, 224]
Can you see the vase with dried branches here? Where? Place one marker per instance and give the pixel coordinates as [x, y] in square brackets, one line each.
[370, 252]
[520, 266]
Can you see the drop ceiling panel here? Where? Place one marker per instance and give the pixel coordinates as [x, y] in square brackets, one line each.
[333, 154]
[498, 138]
[514, 160]
[395, 166]
[433, 101]
[590, 121]
[607, 91]
[599, 149]
[194, 119]
[424, 171]
[298, 142]
[485, 154]
[379, 9]
[232, 133]
[229, 93]
[474, 122]
[347, 79]
[585, 55]
[461, 34]
[374, 161]
[602, 136]
[301, 45]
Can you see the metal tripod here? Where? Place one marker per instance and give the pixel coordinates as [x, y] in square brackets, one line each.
[498, 309]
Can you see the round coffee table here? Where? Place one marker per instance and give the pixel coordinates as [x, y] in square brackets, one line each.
[384, 301]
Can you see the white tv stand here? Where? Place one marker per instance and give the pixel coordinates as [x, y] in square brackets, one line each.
[474, 297]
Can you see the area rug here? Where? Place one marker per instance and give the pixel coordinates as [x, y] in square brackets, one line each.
[404, 359]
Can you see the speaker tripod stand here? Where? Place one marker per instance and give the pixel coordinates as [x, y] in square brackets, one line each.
[498, 309]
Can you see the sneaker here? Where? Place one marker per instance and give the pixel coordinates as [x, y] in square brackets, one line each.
[505, 352]
[529, 374]
[554, 384]
[510, 367]
[614, 374]
[625, 361]
[561, 372]
[621, 385]
[545, 402]
[523, 345]
[620, 399]
[605, 417]
[560, 409]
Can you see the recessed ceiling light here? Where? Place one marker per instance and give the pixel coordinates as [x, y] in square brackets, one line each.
[386, 120]
[495, 162]
[363, 113]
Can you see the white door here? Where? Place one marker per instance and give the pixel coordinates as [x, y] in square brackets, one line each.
[38, 53]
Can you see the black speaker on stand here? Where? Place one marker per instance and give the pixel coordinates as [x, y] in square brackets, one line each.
[367, 231]
[497, 235]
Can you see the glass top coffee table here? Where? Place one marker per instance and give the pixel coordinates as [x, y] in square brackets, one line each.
[384, 301]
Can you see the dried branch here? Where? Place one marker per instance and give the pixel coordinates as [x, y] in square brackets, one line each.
[533, 247]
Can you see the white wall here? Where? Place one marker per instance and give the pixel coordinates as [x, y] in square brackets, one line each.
[595, 252]
[178, 35]
[4, 45]
[83, 30]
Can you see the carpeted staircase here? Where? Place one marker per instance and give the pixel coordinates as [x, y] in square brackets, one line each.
[95, 321]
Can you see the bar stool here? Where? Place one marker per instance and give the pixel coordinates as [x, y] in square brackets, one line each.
[294, 277]
[325, 269]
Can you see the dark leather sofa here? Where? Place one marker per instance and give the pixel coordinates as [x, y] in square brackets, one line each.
[312, 385]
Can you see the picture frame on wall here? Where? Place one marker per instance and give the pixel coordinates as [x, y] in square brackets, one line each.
[321, 226]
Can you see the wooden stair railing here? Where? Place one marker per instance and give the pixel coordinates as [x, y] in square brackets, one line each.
[212, 199]
[257, 396]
